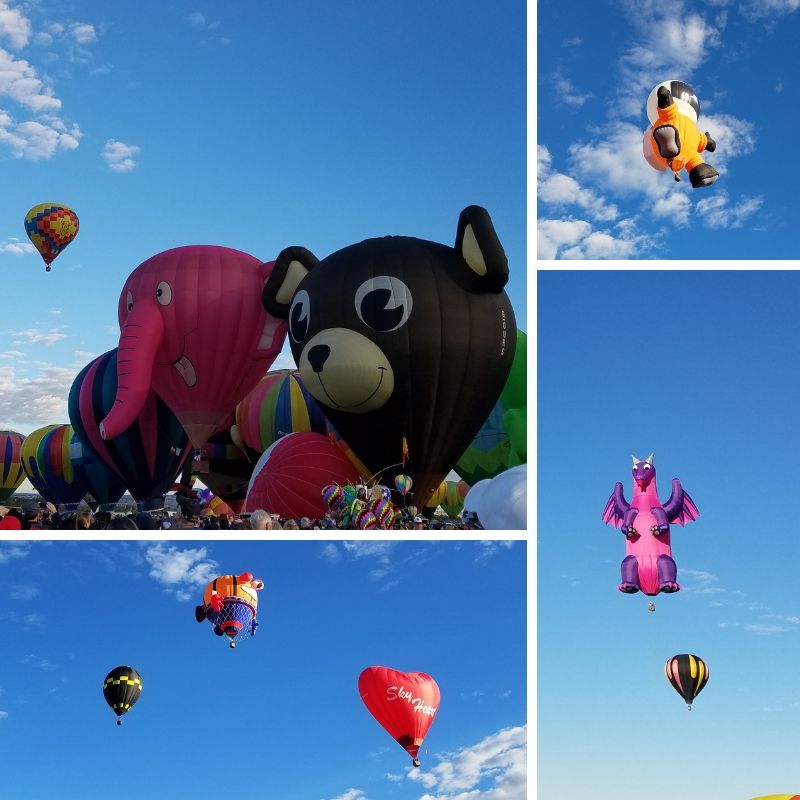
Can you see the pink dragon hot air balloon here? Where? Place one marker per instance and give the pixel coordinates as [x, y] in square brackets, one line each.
[192, 328]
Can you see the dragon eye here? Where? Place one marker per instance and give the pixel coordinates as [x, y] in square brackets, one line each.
[383, 303]
[647, 466]
[299, 315]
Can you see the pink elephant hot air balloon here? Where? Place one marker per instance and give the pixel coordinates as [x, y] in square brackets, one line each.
[192, 328]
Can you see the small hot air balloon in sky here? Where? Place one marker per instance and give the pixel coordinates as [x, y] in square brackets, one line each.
[402, 341]
[291, 475]
[404, 703]
[121, 689]
[149, 454]
[11, 472]
[230, 604]
[193, 329]
[51, 227]
[688, 675]
[46, 459]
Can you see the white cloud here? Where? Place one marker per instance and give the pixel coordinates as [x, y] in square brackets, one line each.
[560, 190]
[493, 769]
[761, 629]
[83, 32]
[20, 82]
[717, 212]
[351, 794]
[24, 592]
[9, 550]
[120, 156]
[55, 311]
[3, 714]
[41, 400]
[575, 41]
[490, 547]
[758, 9]
[35, 336]
[554, 234]
[15, 27]
[15, 247]
[37, 140]
[284, 361]
[330, 552]
[567, 93]
[14, 355]
[181, 571]
[367, 549]
[196, 19]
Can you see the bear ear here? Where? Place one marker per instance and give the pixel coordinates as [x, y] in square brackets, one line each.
[291, 266]
[478, 245]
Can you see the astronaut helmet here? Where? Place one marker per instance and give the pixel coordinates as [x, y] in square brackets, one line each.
[682, 94]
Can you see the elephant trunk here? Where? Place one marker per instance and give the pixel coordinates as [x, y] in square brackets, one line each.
[139, 341]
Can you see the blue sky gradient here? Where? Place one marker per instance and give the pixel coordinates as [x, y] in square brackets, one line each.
[597, 63]
[698, 366]
[280, 716]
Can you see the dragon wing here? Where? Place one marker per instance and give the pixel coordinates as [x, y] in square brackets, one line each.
[616, 507]
[680, 508]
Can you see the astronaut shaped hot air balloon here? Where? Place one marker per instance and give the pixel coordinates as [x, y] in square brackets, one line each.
[230, 604]
[673, 139]
[402, 340]
[121, 689]
[648, 565]
[51, 227]
[192, 328]
[404, 703]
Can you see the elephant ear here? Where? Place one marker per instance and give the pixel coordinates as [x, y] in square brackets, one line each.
[291, 266]
[477, 243]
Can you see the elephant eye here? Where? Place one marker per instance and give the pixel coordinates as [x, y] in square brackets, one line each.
[298, 315]
[164, 293]
[129, 302]
[383, 303]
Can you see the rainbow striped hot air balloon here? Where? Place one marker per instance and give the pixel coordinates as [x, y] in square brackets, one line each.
[279, 404]
[46, 459]
[11, 472]
[51, 227]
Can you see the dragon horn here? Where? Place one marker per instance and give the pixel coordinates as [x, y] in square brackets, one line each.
[635, 460]
[650, 458]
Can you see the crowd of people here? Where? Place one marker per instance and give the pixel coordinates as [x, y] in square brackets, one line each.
[190, 516]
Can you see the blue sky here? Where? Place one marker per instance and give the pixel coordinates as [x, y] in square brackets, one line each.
[280, 715]
[597, 63]
[250, 125]
[698, 366]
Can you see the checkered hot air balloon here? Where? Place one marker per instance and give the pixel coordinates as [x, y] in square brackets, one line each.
[121, 689]
[51, 227]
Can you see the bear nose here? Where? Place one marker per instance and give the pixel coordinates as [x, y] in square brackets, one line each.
[317, 356]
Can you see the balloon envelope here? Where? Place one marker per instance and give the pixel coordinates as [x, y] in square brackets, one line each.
[46, 459]
[11, 472]
[149, 454]
[501, 503]
[290, 476]
[688, 675]
[51, 227]
[121, 689]
[404, 703]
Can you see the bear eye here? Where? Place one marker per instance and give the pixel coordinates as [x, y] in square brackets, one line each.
[383, 303]
[129, 302]
[164, 293]
[298, 315]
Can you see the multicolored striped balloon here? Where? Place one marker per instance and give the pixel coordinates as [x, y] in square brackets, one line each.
[688, 675]
[148, 455]
[51, 227]
[279, 404]
[46, 459]
[11, 472]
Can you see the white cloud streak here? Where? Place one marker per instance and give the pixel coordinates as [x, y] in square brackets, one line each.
[180, 571]
[119, 156]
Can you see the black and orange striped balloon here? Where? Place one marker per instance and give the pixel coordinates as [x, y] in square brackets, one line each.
[688, 675]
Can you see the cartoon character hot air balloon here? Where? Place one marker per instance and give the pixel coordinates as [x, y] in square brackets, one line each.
[51, 227]
[121, 689]
[291, 475]
[149, 454]
[46, 459]
[230, 604]
[402, 340]
[193, 329]
[688, 675]
[279, 404]
[404, 703]
[11, 471]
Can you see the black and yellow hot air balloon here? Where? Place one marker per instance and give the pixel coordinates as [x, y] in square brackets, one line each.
[688, 675]
[121, 689]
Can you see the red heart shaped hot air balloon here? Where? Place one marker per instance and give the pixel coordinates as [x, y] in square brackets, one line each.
[404, 703]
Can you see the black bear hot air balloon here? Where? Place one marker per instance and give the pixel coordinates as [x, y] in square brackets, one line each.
[121, 689]
[405, 343]
[688, 675]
